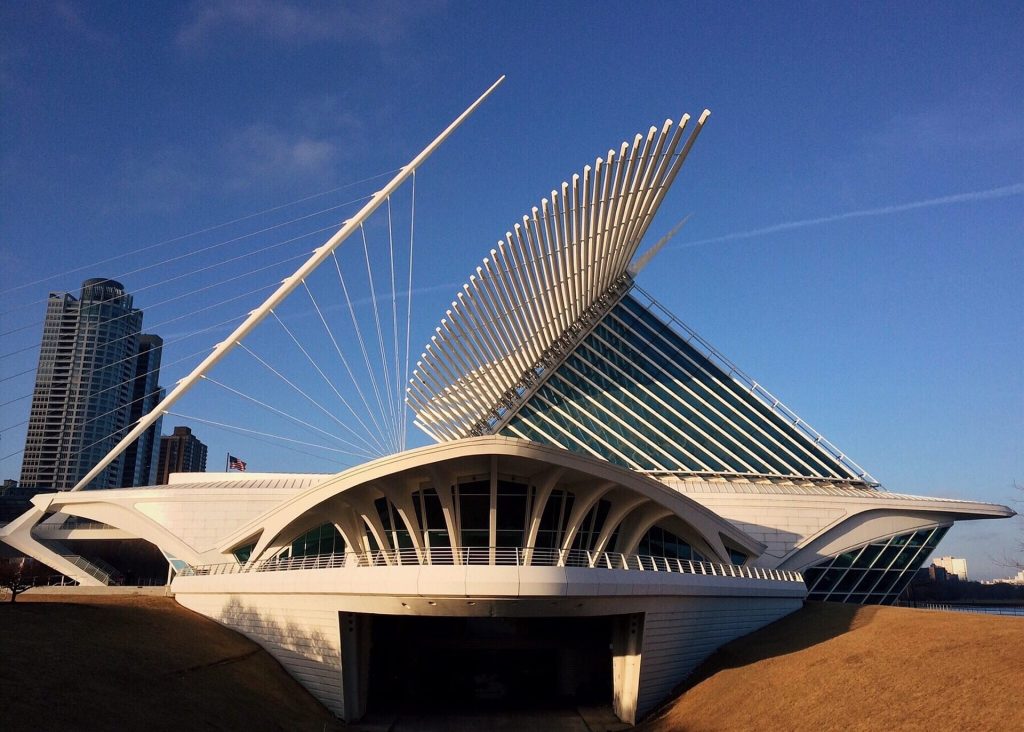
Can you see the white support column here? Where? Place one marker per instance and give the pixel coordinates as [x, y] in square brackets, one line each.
[586, 498]
[366, 511]
[544, 488]
[401, 499]
[627, 643]
[619, 511]
[444, 484]
[637, 524]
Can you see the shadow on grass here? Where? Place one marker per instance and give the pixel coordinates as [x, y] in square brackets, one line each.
[140, 663]
[814, 623]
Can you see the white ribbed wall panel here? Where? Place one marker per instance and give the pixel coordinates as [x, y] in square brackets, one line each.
[679, 637]
[301, 631]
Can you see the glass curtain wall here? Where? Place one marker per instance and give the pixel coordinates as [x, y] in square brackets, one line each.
[513, 504]
[875, 573]
[637, 394]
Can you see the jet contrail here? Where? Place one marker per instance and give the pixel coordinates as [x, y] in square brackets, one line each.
[1016, 189]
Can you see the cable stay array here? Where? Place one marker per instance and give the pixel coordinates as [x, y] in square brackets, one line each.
[352, 301]
[317, 367]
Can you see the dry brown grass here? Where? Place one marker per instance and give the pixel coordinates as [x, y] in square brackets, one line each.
[834, 667]
[139, 662]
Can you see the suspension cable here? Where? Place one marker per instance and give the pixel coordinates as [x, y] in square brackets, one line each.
[254, 435]
[344, 361]
[198, 232]
[359, 337]
[380, 335]
[286, 380]
[330, 384]
[360, 451]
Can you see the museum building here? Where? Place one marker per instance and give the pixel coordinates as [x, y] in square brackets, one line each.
[608, 499]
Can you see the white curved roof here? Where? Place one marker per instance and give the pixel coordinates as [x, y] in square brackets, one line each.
[403, 472]
[532, 297]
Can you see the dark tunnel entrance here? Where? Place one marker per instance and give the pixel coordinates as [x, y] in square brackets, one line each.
[429, 664]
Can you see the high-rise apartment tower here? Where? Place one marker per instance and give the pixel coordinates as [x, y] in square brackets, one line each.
[181, 452]
[97, 373]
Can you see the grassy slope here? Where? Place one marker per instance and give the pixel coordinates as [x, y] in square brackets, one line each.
[146, 663]
[847, 668]
[133, 662]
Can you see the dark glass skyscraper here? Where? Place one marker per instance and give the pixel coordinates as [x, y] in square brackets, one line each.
[140, 458]
[97, 373]
[181, 452]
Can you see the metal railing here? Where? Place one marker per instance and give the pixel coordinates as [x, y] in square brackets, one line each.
[95, 568]
[1015, 610]
[75, 522]
[497, 556]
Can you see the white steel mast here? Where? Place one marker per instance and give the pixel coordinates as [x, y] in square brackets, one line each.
[286, 288]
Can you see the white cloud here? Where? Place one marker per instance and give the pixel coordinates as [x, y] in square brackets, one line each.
[380, 23]
[306, 148]
[310, 144]
[262, 151]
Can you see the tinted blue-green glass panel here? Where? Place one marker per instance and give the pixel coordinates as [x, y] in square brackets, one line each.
[873, 574]
[636, 393]
[242, 554]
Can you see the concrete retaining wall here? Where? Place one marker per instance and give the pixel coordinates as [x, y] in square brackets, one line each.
[681, 633]
[301, 632]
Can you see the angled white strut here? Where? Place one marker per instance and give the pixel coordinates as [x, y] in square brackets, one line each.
[286, 288]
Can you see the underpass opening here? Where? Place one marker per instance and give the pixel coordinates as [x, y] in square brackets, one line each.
[456, 664]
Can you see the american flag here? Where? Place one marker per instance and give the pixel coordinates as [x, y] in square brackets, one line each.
[235, 464]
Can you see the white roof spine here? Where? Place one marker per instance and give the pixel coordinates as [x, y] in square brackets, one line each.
[510, 323]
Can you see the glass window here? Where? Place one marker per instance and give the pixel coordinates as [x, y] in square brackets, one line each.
[880, 571]
[846, 559]
[848, 581]
[323, 539]
[428, 506]
[888, 555]
[812, 575]
[243, 553]
[868, 556]
[887, 582]
[658, 542]
[511, 513]
[736, 557]
[383, 507]
[474, 512]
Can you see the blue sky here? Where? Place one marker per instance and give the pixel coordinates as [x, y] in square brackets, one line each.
[857, 197]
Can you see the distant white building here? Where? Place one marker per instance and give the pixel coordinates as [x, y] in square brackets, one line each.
[953, 565]
[1017, 579]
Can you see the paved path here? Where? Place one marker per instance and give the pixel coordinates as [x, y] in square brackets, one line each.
[588, 719]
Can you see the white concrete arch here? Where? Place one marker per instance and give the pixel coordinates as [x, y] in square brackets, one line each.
[544, 469]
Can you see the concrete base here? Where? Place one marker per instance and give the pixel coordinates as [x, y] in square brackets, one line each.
[320, 633]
